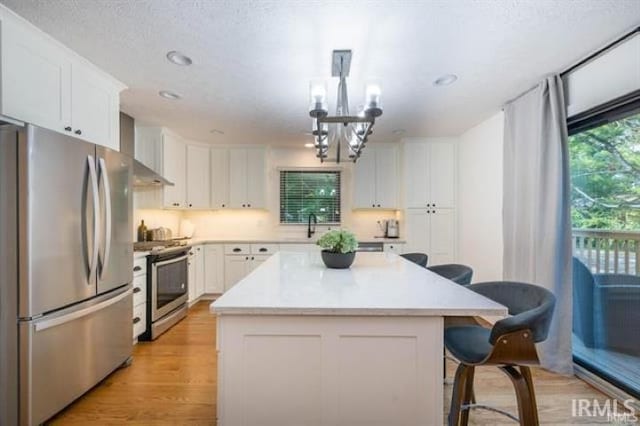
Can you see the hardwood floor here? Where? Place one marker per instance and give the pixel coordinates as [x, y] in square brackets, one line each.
[172, 381]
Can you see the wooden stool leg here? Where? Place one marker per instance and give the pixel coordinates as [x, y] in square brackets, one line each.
[457, 395]
[525, 410]
[468, 395]
[526, 374]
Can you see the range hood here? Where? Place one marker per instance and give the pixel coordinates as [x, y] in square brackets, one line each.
[143, 175]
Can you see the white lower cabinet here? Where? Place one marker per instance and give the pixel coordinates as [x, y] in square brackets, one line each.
[392, 248]
[241, 259]
[235, 269]
[431, 231]
[139, 296]
[213, 269]
[196, 273]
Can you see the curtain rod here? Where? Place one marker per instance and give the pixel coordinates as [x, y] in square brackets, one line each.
[601, 51]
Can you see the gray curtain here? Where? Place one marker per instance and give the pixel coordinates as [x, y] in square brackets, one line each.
[536, 216]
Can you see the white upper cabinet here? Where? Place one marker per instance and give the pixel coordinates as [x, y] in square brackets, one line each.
[364, 180]
[430, 174]
[219, 178]
[247, 179]
[174, 169]
[442, 169]
[376, 179]
[46, 84]
[198, 177]
[94, 108]
[256, 178]
[36, 79]
[386, 177]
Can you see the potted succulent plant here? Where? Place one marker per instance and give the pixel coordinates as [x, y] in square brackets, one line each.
[339, 249]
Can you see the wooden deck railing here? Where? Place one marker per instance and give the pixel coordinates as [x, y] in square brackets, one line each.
[607, 251]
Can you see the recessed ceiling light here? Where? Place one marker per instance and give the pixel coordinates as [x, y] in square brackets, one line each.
[309, 145]
[216, 132]
[169, 95]
[179, 58]
[398, 132]
[445, 80]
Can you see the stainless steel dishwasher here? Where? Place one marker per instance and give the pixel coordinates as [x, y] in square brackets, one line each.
[371, 247]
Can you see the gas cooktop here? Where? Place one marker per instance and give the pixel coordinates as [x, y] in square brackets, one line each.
[158, 246]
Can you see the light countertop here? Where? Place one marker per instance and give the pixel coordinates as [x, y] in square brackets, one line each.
[285, 240]
[376, 284]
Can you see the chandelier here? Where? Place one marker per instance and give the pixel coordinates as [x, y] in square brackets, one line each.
[342, 129]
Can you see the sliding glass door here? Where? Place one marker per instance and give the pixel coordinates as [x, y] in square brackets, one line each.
[605, 177]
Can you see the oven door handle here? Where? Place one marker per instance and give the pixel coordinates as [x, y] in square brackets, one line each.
[167, 262]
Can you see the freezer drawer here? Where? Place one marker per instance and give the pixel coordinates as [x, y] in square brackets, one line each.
[63, 355]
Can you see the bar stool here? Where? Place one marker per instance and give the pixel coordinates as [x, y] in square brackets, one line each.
[509, 345]
[417, 258]
[460, 274]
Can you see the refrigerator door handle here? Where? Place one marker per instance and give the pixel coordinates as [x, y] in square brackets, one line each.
[53, 322]
[107, 206]
[96, 217]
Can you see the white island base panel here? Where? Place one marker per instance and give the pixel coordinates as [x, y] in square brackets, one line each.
[330, 370]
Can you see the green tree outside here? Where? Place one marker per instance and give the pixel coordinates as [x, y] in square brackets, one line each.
[605, 176]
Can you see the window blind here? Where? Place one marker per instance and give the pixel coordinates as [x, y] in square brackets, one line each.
[306, 192]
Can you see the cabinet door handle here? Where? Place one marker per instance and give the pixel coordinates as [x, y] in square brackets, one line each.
[68, 128]
[137, 268]
[237, 250]
[262, 250]
[137, 290]
[136, 320]
[78, 132]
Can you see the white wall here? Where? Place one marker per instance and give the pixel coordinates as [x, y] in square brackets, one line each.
[480, 168]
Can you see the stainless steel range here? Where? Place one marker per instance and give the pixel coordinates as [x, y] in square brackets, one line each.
[167, 286]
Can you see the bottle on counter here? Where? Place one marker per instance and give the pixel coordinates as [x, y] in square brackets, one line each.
[142, 232]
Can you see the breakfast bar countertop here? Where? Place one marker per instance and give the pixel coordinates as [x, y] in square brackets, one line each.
[377, 284]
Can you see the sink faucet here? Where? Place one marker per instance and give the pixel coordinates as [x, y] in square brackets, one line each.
[310, 231]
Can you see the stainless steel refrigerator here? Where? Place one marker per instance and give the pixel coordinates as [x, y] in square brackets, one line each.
[66, 266]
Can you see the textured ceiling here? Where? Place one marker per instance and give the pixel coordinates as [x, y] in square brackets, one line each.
[252, 60]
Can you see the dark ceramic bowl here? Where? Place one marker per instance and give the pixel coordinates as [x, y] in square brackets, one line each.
[338, 260]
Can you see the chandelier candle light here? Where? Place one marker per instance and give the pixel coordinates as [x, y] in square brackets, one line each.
[351, 130]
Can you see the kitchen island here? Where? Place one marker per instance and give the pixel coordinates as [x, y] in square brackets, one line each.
[300, 344]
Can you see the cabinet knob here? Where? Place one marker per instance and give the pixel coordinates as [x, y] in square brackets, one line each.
[136, 320]
[68, 128]
[223, 205]
[137, 290]
[246, 258]
[252, 258]
[378, 205]
[428, 205]
[78, 132]
[373, 205]
[248, 205]
[190, 205]
[137, 268]
[433, 211]
[434, 204]
[244, 205]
